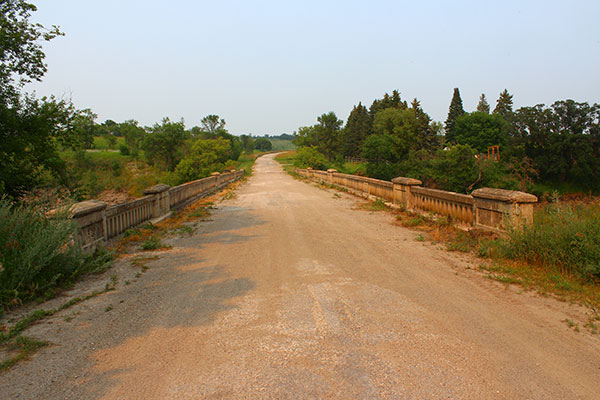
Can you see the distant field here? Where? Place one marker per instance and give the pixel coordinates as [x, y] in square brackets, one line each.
[279, 144]
[101, 143]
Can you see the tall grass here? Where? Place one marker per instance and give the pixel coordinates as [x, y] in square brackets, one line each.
[38, 253]
[562, 235]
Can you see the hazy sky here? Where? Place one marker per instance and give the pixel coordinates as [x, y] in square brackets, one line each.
[272, 66]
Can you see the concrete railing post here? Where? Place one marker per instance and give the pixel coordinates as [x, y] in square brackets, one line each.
[498, 209]
[330, 173]
[217, 176]
[90, 217]
[403, 191]
[162, 200]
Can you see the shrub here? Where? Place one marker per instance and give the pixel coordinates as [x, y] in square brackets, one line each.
[38, 253]
[310, 157]
[124, 150]
[563, 236]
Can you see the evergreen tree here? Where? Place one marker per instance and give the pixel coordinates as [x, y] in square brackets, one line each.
[455, 111]
[393, 101]
[426, 136]
[504, 104]
[483, 105]
[358, 127]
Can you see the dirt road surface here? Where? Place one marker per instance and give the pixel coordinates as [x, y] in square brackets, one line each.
[291, 292]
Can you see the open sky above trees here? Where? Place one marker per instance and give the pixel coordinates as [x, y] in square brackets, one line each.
[269, 67]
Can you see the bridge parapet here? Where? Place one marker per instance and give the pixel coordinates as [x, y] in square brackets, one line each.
[488, 209]
[99, 223]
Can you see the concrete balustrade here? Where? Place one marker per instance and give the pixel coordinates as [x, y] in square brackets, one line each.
[488, 209]
[99, 223]
[89, 216]
[499, 209]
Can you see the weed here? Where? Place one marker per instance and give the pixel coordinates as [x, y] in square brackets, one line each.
[153, 243]
[592, 327]
[127, 282]
[137, 274]
[419, 238]
[185, 230]
[570, 323]
[377, 205]
[337, 195]
[504, 279]
[199, 213]
[114, 279]
[25, 347]
[108, 308]
[121, 301]
[149, 226]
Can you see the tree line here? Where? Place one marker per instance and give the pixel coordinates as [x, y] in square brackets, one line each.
[36, 133]
[554, 145]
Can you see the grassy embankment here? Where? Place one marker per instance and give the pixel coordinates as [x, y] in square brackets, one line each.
[559, 254]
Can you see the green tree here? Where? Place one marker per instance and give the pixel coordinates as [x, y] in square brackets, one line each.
[480, 130]
[21, 55]
[456, 110]
[358, 128]
[164, 144]
[309, 157]
[205, 157]
[325, 137]
[426, 131]
[133, 134]
[393, 101]
[247, 143]
[263, 144]
[483, 106]
[212, 124]
[504, 104]
[563, 141]
[401, 127]
[30, 129]
[455, 169]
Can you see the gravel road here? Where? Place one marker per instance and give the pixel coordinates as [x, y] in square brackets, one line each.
[290, 291]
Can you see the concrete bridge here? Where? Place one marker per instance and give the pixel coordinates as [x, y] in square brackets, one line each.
[290, 291]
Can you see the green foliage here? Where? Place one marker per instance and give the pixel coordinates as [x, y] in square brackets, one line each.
[153, 243]
[31, 131]
[164, 144]
[325, 137]
[562, 140]
[21, 55]
[38, 253]
[205, 157]
[504, 105]
[480, 130]
[456, 110]
[483, 106]
[561, 235]
[263, 144]
[460, 160]
[310, 157]
[393, 101]
[358, 128]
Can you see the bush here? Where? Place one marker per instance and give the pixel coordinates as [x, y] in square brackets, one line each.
[38, 253]
[563, 236]
[310, 157]
[124, 150]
